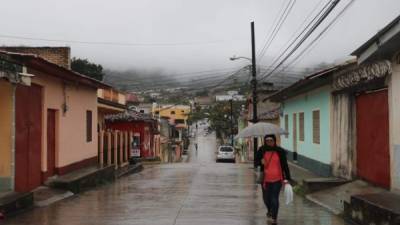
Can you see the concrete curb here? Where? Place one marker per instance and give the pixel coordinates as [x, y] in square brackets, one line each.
[131, 170]
[53, 199]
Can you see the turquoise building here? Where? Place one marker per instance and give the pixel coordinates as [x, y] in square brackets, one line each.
[306, 115]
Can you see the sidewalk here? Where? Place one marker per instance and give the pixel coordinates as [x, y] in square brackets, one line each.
[357, 201]
[333, 199]
[62, 187]
[12, 203]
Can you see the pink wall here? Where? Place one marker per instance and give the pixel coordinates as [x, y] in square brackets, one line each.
[71, 145]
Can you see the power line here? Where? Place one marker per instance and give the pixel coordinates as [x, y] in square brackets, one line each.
[309, 32]
[131, 44]
[296, 33]
[152, 82]
[319, 36]
[302, 32]
[155, 85]
[277, 28]
[280, 12]
[162, 80]
[171, 77]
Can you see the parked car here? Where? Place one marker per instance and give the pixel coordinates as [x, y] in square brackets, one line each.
[226, 153]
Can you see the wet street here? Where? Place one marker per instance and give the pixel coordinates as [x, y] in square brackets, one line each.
[196, 192]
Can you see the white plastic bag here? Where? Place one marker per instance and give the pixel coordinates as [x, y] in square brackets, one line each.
[288, 193]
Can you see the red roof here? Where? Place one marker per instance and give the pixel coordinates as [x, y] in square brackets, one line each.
[131, 97]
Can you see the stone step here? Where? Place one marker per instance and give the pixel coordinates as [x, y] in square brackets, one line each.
[322, 183]
[377, 209]
[83, 179]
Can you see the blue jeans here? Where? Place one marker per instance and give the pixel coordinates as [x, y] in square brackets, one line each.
[271, 197]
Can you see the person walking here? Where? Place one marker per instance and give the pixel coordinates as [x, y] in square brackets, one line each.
[273, 162]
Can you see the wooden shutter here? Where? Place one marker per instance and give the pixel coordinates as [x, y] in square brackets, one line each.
[316, 126]
[286, 124]
[301, 126]
[88, 126]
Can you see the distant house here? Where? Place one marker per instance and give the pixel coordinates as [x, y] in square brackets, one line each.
[109, 101]
[231, 95]
[177, 114]
[55, 118]
[145, 108]
[144, 129]
[203, 102]
[132, 99]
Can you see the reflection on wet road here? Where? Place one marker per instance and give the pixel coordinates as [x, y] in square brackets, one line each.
[198, 192]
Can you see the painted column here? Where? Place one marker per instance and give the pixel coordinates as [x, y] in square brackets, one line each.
[343, 136]
[394, 126]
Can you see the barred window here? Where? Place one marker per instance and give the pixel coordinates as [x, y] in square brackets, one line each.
[316, 126]
[286, 125]
[301, 126]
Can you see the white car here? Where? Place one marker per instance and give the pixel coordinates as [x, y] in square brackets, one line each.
[226, 153]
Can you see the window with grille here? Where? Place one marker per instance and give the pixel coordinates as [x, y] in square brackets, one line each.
[316, 126]
[286, 124]
[301, 126]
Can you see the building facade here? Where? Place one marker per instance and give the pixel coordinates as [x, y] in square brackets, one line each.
[55, 122]
[306, 114]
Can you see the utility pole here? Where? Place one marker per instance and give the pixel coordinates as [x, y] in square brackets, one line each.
[231, 102]
[254, 87]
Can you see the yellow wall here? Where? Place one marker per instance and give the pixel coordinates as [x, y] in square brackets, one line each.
[181, 112]
[5, 128]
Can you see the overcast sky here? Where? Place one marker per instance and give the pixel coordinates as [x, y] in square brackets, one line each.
[184, 35]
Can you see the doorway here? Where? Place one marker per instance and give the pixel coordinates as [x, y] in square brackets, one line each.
[373, 159]
[51, 142]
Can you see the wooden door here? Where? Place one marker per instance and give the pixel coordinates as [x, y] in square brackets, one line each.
[28, 123]
[294, 136]
[373, 160]
[51, 142]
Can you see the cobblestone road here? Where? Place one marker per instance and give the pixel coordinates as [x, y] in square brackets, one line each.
[198, 192]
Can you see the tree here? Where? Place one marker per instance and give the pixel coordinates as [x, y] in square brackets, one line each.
[83, 66]
[219, 117]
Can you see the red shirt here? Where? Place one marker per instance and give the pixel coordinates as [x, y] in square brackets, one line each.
[272, 167]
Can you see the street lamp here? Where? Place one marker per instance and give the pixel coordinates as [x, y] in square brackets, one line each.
[233, 58]
[253, 84]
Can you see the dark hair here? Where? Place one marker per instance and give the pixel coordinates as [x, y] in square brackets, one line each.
[270, 136]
